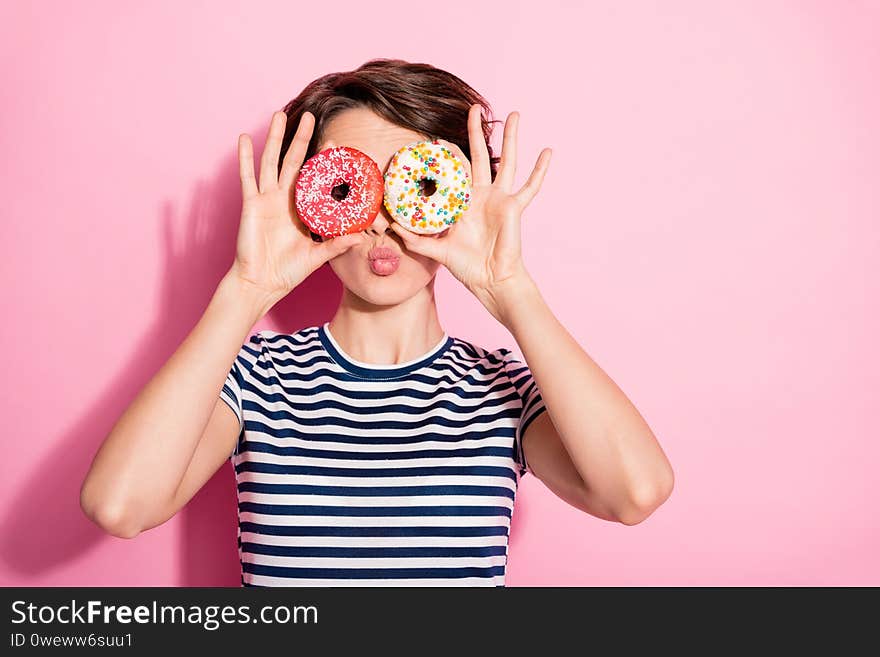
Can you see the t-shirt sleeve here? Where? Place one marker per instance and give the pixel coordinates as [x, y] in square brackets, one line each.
[237, 381]
[532, 404]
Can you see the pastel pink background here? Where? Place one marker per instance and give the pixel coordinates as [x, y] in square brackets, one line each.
[708, 230]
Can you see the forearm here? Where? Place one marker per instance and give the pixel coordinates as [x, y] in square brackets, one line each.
[145, 456]
[608, 441]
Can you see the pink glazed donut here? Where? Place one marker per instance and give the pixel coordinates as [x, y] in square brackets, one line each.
[339, 191]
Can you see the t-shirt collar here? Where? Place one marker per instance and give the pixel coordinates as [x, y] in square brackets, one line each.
[373, 371]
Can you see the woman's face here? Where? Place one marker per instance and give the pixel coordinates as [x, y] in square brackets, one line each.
[363, 129]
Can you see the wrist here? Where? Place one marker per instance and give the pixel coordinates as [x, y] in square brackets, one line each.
[511, 295]
[256, 301]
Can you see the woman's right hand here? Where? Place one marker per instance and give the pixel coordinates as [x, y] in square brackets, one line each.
[275, 251]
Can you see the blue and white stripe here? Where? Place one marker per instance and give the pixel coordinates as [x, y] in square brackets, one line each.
[354, 474]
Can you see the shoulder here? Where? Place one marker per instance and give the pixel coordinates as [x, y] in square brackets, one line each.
[274, 339]
[267, 344]
[483, 358]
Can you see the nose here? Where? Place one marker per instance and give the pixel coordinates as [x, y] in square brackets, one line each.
[381, 224]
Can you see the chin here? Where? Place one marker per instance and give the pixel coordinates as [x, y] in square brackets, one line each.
[408, 280]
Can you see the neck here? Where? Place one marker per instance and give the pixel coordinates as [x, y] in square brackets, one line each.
[387, 335]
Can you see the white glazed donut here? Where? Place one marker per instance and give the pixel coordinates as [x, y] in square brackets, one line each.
[427, 188]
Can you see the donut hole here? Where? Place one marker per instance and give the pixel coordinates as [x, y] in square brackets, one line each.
[340, 191]
[427, 187]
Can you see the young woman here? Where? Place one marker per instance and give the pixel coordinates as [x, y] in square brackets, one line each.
[376, 449]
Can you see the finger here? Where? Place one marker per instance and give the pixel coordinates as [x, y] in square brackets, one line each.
[269, 160]
[246, 166]
[507, 165]
[297, 150]
[481, 171]
[426, 245]
[533, 184]
[334, 246]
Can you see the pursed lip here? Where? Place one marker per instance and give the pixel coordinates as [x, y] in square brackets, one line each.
[383, 253]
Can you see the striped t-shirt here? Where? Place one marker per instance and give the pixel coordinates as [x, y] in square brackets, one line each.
[355, 474]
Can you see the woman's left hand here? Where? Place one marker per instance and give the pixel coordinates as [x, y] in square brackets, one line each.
[483, 249]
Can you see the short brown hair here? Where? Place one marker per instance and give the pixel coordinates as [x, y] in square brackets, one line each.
[415, 96]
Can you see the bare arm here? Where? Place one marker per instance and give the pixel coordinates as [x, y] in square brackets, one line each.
[138, 468]
[177, 432]
[593, 444]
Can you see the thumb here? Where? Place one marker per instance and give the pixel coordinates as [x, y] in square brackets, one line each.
[330, 248]
[425, 245]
